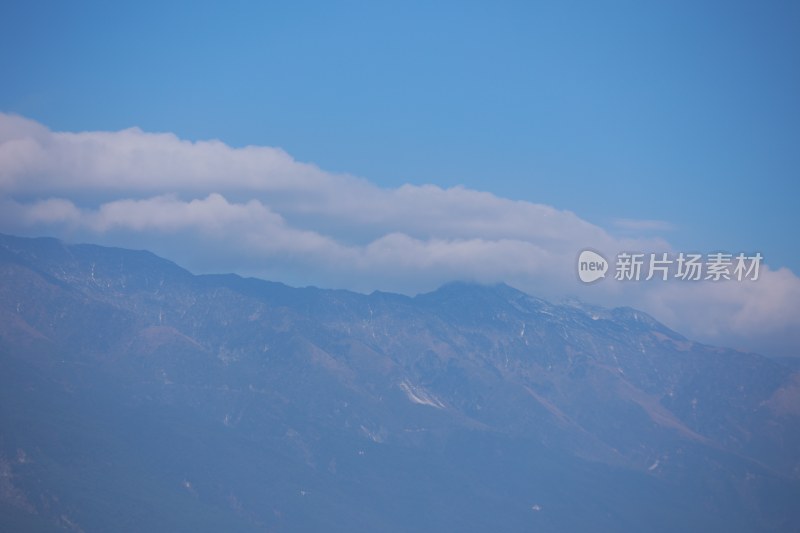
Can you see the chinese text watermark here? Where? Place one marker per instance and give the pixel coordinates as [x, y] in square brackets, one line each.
[662, 266]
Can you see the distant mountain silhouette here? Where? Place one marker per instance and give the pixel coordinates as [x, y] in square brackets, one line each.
[135, 396]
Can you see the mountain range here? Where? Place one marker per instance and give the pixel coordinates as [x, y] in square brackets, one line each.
[137, 396]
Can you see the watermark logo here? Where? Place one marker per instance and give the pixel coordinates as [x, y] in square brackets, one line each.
[636, 266]
[591, 266]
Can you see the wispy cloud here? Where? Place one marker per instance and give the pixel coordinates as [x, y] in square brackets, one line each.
[258, 211]
[642, 225]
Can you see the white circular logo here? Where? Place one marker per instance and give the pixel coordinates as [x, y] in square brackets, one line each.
[591, 266]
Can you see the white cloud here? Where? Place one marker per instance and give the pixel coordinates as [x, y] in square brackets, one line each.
[641, 225]
[757, 315]
[257, 211]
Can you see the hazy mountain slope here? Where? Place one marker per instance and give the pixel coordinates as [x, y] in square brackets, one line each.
[134, 395]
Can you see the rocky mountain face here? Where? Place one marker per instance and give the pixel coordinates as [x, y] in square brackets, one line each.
[136, 396]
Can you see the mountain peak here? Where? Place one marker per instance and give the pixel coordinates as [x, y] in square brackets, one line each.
[223, 403]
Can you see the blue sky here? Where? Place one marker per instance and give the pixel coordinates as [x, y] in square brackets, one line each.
[682, 113]
[686, 112]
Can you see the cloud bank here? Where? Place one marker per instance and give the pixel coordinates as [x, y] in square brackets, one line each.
[257, 211]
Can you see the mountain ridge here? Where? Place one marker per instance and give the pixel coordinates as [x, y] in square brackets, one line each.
[342, 394]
